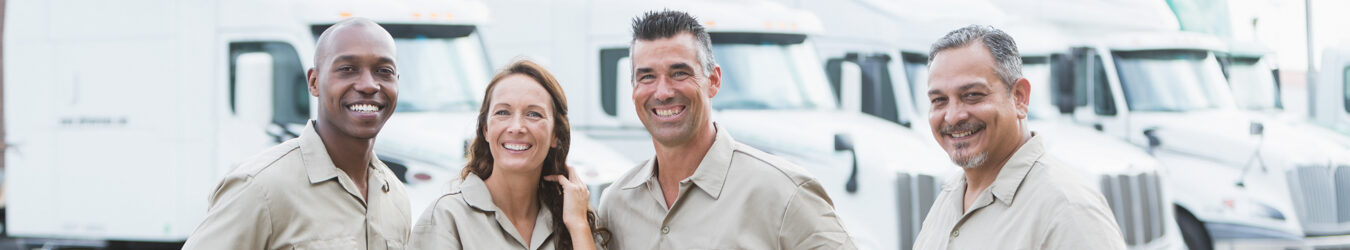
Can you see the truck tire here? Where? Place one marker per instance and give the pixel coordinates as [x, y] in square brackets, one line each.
[1193, 232]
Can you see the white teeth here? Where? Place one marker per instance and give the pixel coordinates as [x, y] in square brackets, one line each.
[366, 108]
[516, 147]
[668, 112]
[963, 134]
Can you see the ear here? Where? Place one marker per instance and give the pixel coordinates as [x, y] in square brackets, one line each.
[556, 141]
[312, 77]
[1021, 92]
[714, 81]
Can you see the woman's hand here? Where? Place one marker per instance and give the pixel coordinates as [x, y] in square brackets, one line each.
[576, 200]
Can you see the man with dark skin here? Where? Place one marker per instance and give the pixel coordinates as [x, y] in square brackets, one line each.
[314, 191]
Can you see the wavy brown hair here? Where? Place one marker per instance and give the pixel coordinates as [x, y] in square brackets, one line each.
[550, 193]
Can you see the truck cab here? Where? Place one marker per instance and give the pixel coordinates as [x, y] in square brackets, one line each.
[1165, 91]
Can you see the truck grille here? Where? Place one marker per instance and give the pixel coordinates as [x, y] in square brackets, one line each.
[1321, 197]
[917, 192]
[1137, 202]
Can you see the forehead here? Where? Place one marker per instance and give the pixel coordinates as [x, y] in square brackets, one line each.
[960, 66]
[520, 90]
[358, 41]
[678, 48]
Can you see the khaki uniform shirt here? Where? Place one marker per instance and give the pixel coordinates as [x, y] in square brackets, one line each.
[1034, 203]
[293, 197]
[738, 198]
[468, 219]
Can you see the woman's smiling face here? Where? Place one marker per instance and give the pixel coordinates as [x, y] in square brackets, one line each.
[519, 124]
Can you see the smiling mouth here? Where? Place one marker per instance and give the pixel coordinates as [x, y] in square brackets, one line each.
[516, 146]
[668, 111]
[364, 108]
[967, 133]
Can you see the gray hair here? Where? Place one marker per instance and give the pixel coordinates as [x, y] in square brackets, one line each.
[663, 24]
[1007, 60]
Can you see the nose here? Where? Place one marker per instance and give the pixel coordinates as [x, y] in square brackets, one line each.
[515, 126]
[366, 84]
[955, 113]
[665, 91]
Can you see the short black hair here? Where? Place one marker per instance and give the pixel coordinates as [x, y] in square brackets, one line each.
[667, 23]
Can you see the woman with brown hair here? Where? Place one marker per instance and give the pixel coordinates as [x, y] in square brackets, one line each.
[517, 191]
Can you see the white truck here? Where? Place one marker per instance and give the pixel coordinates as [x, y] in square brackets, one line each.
[1165, 91]
[774, 96]
[889, 85]
[108, 157]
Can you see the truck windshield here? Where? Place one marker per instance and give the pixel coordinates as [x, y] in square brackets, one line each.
[1171, 80]
[441, 74]
[1253, 86]
[763, 76]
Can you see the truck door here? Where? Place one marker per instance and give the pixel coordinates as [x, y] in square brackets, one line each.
[1094, 96]
[268, 98]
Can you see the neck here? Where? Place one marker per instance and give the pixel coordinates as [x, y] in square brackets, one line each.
[678, 162]
[349, 154]
[981, 177]
[516, 194]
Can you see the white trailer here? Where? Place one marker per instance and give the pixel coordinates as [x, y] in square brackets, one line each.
[134, 110]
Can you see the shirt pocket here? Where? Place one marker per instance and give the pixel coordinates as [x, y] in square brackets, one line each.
[347, 242]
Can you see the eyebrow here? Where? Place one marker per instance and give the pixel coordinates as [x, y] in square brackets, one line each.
[382, 59]
[683, 66]
[965, 87]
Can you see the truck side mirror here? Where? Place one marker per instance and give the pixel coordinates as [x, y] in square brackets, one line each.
[1061, 67]
[845, 77]
[252, 92]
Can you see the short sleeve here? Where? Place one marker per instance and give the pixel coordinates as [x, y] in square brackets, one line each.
[236, 219]
[809, 221]
[1082, 226]
[435, 229]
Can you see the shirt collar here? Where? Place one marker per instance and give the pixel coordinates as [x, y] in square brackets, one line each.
[318, 165]
[475, 193]
[1016, 169]
[711, 174]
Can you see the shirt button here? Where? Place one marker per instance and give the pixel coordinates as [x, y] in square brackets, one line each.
[665, 230]
[956, 233]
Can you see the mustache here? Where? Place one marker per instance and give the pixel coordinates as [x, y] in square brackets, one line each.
[652, 102]
[962, 126]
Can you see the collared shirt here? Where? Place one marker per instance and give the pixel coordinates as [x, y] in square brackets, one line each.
[468, 219]
[292, 196]
[1034, 203]
[737, 198]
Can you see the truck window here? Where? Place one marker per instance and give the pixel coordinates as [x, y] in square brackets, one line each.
[609, 78]
[1102, 101]
[290, 93]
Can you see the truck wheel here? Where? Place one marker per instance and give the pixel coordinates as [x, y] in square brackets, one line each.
[1193, 232]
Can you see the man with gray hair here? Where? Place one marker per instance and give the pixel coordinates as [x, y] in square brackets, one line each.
[1013, 194]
